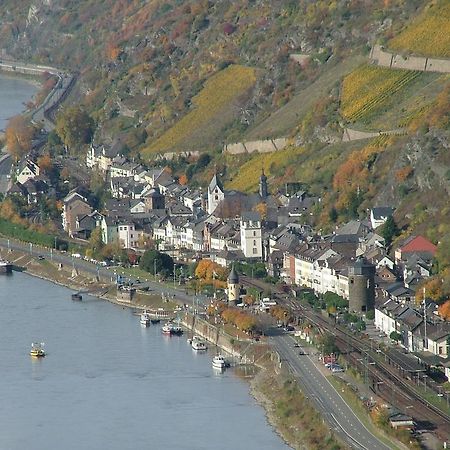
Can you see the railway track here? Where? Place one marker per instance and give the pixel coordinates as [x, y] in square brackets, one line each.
[398, 390]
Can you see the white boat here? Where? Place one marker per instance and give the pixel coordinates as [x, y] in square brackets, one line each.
[37, 350]
[145, 319]
[219, 362]
[167, 328]
[198, 343]
[5, 266]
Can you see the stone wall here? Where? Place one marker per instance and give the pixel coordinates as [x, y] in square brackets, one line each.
[424, 64]
[263, 146]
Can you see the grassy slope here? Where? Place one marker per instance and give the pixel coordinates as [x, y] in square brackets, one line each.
[282, 121]
[429, 34]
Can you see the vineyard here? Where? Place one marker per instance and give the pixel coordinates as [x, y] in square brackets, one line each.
[429, 35]
[369, 89]
[247, 178]
[219, 92]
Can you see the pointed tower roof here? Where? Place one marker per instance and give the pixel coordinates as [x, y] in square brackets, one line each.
[215, 182]
[233, 278]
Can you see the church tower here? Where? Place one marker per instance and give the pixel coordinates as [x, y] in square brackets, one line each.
[233, 286]
[263, 191]
[216, 193]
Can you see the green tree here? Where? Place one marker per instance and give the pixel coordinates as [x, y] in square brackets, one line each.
[74, 127]
[395, 336]
[153, 261]
[389, 230]
[95, 241]
[328, 344]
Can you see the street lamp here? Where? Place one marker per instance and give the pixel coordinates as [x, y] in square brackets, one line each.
[174, 274]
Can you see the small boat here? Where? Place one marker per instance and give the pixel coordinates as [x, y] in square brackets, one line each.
[219, 362]
[155, 321]
[77, 296]
[37, 350]
[5, 267]
[145, 319]
[177, 331]
[198, 344]
[167, 328]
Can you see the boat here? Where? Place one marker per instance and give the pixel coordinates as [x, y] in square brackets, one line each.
[167, 328]
[198, 343]
[37, 350]
[5, 267]
[145, 319]
[177, 330]
[155, 321]
[77, 296]
[219, 362]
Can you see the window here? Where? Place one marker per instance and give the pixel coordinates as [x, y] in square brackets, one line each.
[254, 233]
[254, 242]
[255, 250]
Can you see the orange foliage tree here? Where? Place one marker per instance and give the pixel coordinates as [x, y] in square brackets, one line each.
[444, 310]
[45, 163]
[19, 133]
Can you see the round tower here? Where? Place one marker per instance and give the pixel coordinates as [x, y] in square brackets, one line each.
[233, 286]
[361, 286]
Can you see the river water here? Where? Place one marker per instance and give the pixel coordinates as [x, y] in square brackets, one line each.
[14, 92]
[108, 383]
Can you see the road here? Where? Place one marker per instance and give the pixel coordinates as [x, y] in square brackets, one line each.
[325, 397]
[5, 170]
[104, 273]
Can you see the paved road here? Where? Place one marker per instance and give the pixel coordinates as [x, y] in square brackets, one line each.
[5, 170]
[325, 397]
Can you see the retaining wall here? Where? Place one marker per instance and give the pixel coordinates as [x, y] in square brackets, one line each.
[263, 146]
[388, 59]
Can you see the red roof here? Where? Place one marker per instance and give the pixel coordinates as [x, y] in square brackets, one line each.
[418, 244]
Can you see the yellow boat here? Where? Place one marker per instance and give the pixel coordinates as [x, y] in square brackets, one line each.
[36, 350]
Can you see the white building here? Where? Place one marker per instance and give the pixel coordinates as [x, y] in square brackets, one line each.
[251, 235]
[216, 194]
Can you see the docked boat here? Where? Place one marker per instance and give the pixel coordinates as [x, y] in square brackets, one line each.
[219, 362]
[77, 297]
[145, 319]
[177, 331]
[155, 321]
[37, 350]
[167, 328]
[5, 267]
[198, 344]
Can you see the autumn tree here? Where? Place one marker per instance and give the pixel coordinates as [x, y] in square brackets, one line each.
[389, 230]
[95, 241]
[74, 127]
[45, 163]
[19, 134]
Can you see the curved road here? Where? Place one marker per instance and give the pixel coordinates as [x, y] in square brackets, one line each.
[325, 397]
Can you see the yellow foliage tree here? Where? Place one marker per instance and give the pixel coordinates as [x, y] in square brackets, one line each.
[19, 133]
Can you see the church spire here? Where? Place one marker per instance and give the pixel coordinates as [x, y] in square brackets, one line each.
[263, 191]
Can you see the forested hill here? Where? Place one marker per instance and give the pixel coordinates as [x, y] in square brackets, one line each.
[169, 76]
[142, 63]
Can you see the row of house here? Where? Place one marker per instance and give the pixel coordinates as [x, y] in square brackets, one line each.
[422, 332]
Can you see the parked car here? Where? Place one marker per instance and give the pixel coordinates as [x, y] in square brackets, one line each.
[336, 368]
[296, 344]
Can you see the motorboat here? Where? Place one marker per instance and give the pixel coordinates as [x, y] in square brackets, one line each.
[198, 343]
[37, 350]
[145, 319]
[155, 321]
[167, 328]
[5, 267]
[219, 362]
[77, 296]
[177, 330]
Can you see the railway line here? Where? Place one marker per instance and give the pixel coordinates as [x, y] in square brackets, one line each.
[381, 377]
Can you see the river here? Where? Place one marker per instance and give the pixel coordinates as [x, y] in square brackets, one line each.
[14, 92]
[107, 382]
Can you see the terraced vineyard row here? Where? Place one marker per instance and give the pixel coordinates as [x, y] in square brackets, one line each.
[369, 88]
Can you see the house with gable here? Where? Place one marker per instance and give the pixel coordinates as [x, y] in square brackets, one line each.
[27, 170]
[417, 245]
[379, 215]
[75, 205]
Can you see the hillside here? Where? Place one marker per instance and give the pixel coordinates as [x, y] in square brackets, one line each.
[193, 75]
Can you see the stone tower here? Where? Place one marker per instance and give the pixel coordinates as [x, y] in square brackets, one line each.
[263, 191]
[361, 286]
[233, 286]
